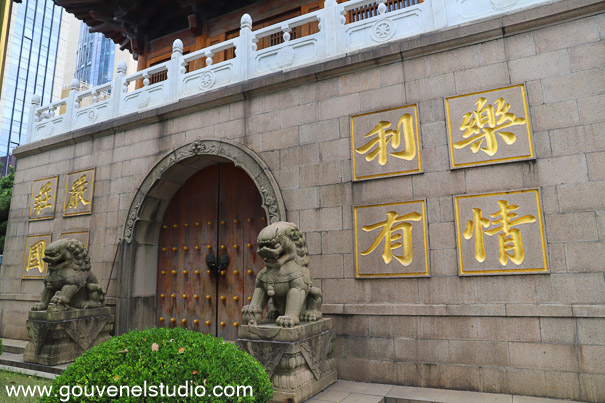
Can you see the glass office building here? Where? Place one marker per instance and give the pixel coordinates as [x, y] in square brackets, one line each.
[95, 58]
[30, 66]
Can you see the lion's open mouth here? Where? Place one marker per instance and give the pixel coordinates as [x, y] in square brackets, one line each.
[53, 257]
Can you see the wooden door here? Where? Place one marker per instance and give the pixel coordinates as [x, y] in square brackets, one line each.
[216, 212]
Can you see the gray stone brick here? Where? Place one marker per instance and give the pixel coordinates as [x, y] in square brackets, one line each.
[380, 190]
[591, 331]
[480, 78]
[539, 66]
[573, 85]
[415, 68]
[534, 92]
[591, 108]
[339, 106]
[592, 387]
[281, 99]
[307, 154]
[387, 291]
[442, 235]
[431, 87]
[433, 184]
[558, 330]
[394, 326]
[263, 122]
[558, 115]
[596, 166]
[492, 52]
[543, 356]
[391, 74]
[320, 174]
[446, 290]
[566, 35]
[454, 60]
[509, 329]
[336, 195]
[432, 351]
[556, 171]
[319, 131]
[581, 197]
[359, 81]
[494, 178]
[588, 56]
[577, 288]
[299, 115]
[433, 134]
[383, 98]
[316, 91]
[521, 45]
[571, 227]
[432, 110]
[325, 266]
[479, 352]
[323, 219]
[336, 241]
[301, 199]
[335, 150]
[592, 359]
[562, 385]
[278, 139]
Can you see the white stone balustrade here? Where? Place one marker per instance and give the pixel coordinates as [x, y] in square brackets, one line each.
[335, 38]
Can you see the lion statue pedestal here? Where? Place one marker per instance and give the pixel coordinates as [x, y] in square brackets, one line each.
[71, 316]
[294, 342]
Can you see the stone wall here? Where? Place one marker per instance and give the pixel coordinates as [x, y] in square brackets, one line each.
[540, 335]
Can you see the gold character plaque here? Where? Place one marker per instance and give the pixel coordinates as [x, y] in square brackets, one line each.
[386, 143]
[500, 233]
[391, 240]
[33, 265]
[79, 193]
[490, 127]
[42, 205]
[81, 236]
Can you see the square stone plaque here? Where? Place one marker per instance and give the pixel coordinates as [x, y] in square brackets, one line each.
[386, 143]
[79, 193]
[33, 265]
[81, 236]
[500, 233]
[42, 203]
[490, 127]
[391, 240]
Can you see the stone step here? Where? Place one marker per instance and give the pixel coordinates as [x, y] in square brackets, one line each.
[13, 346]
[16, 361]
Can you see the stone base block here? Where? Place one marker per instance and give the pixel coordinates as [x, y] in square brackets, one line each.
[60, 337]
[298, 359]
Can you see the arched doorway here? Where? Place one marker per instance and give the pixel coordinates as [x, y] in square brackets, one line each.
[137, 267]
[207, 251]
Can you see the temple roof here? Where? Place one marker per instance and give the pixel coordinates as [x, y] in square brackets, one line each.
[133, 23]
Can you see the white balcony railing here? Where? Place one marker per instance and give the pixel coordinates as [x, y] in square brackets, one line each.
[334, 38]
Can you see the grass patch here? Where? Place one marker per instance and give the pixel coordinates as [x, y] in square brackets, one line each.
[8, 378]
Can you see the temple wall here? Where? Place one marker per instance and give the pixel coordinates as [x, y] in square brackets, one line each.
[534, 334]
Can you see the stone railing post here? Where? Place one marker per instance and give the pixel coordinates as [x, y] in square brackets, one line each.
[331, 26]
[244, 57]
[175, 75]
[70, 108]
[117, 89]
[33, 117]
[439, 14]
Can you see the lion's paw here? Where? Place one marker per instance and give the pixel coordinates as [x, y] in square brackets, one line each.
[252, 312]
[39, 307]
[272, 314]
[287, 321]
[311, 315]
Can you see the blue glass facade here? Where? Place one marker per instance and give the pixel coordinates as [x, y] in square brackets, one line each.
[30, 66]
[95, 57]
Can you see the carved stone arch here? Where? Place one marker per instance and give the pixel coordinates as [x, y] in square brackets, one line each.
[138, 250]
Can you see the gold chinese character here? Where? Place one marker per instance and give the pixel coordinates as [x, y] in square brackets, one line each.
[35, 255]
[382, 136]
[76, 194]
[484, 123]
[388, 234]
[508, 240]
[42, 201]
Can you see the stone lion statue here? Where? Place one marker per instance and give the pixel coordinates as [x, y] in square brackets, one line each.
[285, 278]
[69, 284]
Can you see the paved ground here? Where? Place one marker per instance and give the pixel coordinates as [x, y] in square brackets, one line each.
[357, 392]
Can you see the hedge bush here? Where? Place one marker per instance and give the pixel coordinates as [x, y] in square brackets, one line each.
[160, 356]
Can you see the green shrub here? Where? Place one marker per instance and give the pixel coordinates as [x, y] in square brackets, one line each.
[161, 356]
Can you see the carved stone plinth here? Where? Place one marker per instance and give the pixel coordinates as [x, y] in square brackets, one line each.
[59, 337]
[297, 359]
